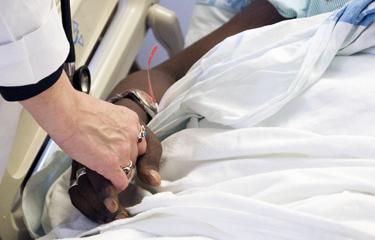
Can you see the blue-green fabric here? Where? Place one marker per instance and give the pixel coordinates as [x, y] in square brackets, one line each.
[287, 8]
[306, 8]
[229, 5]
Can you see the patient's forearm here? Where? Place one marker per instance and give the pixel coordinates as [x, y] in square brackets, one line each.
[260, 13]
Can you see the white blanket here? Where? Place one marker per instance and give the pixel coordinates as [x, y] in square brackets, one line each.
[279, 140]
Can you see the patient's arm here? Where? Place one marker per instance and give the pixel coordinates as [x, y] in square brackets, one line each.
[94, 189]
[97, 198]
[259, 13]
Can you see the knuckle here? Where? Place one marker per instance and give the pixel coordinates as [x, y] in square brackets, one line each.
[112, 159]
[126, 134]
[124, 149]
[105, 168]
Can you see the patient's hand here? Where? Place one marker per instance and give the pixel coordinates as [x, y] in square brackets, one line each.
[95, 196]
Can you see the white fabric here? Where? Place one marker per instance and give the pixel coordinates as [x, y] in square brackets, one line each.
[287, 8]
[34, 193]
[306, 8]
[32, 41]
[251, 167]
[209, 15]
[205, 19]
[229, 5]
[32, 46]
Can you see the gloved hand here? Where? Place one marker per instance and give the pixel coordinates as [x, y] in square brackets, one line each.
[95, 196]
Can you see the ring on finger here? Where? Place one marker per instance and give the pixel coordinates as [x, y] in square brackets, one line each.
[79, 173]
[128, 169]
[142, 133]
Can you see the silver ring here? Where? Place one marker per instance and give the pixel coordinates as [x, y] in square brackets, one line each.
[142, 133]
[128, 169]
[80, 172]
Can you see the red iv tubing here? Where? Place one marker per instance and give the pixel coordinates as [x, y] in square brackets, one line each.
[149, 62]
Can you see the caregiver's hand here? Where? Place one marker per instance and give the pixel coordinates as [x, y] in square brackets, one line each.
[100, 135]
[97, 199]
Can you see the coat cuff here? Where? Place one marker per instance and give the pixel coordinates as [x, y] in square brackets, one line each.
[21, 93]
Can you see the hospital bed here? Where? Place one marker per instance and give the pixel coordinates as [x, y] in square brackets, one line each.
[305, 156]
[107, 36]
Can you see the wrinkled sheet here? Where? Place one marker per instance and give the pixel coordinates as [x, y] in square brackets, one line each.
[209, 15]
[269, 136]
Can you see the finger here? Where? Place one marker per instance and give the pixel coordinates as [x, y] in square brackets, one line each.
[89, 191]
[75, 198]
[128, 153]
[84, 199]
[148, 164]
[75, 166]
[133, 153]
[105, 191]
[142, 143]
[142, 146]
[118, 178]
[80, 203]
[147, 173]
[111, 208]
[88, 194]
[122, 213]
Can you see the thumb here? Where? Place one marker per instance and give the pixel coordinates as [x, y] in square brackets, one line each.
[147, 172]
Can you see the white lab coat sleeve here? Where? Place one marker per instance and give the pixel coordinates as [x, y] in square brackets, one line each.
[33, 47]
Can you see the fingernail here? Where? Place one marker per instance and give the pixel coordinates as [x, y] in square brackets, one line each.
[111, 205]
[122, 215]
[122, 188]
[154, 178]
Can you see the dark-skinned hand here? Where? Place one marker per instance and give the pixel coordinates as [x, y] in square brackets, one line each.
[96, 198]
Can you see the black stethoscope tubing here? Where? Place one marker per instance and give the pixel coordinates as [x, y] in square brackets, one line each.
[80, 78]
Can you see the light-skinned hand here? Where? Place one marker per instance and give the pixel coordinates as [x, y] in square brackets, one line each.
[98, 134]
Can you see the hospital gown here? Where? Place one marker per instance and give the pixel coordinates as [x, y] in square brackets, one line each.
[211, 14]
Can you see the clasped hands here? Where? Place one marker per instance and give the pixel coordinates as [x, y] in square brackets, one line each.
[98, 199]
[101, 136]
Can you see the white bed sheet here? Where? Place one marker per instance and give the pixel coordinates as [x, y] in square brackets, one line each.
[205, 19]
[306, 171]
[209, 15]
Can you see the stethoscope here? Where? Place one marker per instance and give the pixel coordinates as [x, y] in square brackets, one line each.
[80, 78]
